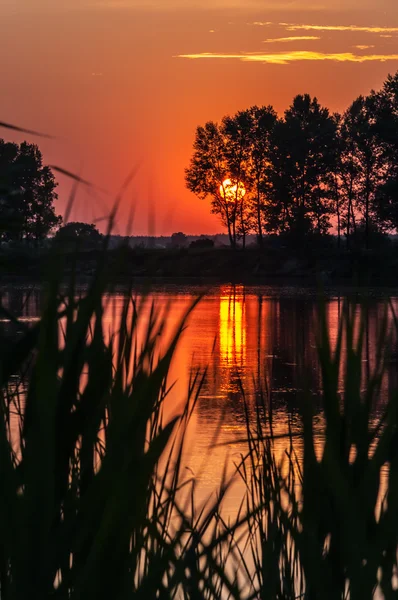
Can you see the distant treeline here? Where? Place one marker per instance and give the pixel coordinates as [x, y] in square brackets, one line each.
[176, 240]
[221, 240]
[304, 173]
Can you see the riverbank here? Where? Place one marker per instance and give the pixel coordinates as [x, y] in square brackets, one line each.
[304, 266]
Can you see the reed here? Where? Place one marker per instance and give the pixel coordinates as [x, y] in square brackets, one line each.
[86, 508]
[327, 525]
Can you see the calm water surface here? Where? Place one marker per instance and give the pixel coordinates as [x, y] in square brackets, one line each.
[258, 338]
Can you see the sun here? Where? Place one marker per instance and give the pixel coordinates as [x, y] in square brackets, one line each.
[232, 192]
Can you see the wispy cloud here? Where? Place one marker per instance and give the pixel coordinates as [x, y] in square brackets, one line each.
[295, 38]
[284, 58]
[298, 27]
[363, 46]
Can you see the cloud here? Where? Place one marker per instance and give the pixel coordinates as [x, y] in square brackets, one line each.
[295, 38]
[252, 5]
[285, 58]
[363, 46]
[353, 28]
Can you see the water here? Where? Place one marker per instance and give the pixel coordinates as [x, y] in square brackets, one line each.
[252, 339]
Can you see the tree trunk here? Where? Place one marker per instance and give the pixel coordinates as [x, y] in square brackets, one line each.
[260, 230]
[338, 213]
[234, 229]
[231, 239]
[353, 219]
[349, 209]
[348, 221]
[367, 197]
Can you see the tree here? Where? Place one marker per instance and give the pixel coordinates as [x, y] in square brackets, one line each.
[369, 160]
[202, 242]
[84, 234]
[348, 171]
[207, 171]
[217, 171]
[27, 193]
[294, 174]
[236, 132]
[179, 240]
[386, 126]
[262, 124]
[335, 183]
[302, 159]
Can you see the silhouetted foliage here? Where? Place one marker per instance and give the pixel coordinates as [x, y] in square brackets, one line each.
[27, 193]
[262, 126]
[302, 160]
[179, 240]
[208, 170]
[85, 234]
[202, 243]
[386, 108]
[305, 172]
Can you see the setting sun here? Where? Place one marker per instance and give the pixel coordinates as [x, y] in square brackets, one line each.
[232, 192]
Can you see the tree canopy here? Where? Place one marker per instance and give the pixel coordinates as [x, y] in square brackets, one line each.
[179, 240]
[27, 193]
[305, 172]
[75, 232]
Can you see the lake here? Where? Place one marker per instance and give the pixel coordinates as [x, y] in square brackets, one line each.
[259, 341]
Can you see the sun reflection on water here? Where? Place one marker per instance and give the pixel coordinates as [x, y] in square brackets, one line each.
[232, 326]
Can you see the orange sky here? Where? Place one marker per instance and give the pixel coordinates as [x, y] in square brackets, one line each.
[125, 83]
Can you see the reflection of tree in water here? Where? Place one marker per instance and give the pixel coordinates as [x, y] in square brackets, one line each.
[269, 345]
[295, 344]
[264, 343]
[22, 302]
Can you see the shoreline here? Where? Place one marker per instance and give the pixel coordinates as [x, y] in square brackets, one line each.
[196, 286]
[305, 267]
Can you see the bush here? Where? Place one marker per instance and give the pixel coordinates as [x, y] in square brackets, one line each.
[202, 243]
[179, 240]
[79, 235]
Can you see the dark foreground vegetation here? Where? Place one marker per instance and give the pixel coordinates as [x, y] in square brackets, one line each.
[94, 497]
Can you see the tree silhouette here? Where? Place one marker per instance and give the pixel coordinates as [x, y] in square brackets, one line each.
[220, 153]
[305, 172]
[77, 233]
[202, 242]
[27, 193]
[262, 124]
[335, 183]
[179, 240]
[207, 170]
[369, 159]
[236, 132]
[304, 157]
[349, 168]
[386, 108]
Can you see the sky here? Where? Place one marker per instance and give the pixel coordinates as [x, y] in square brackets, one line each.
[121, 86]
